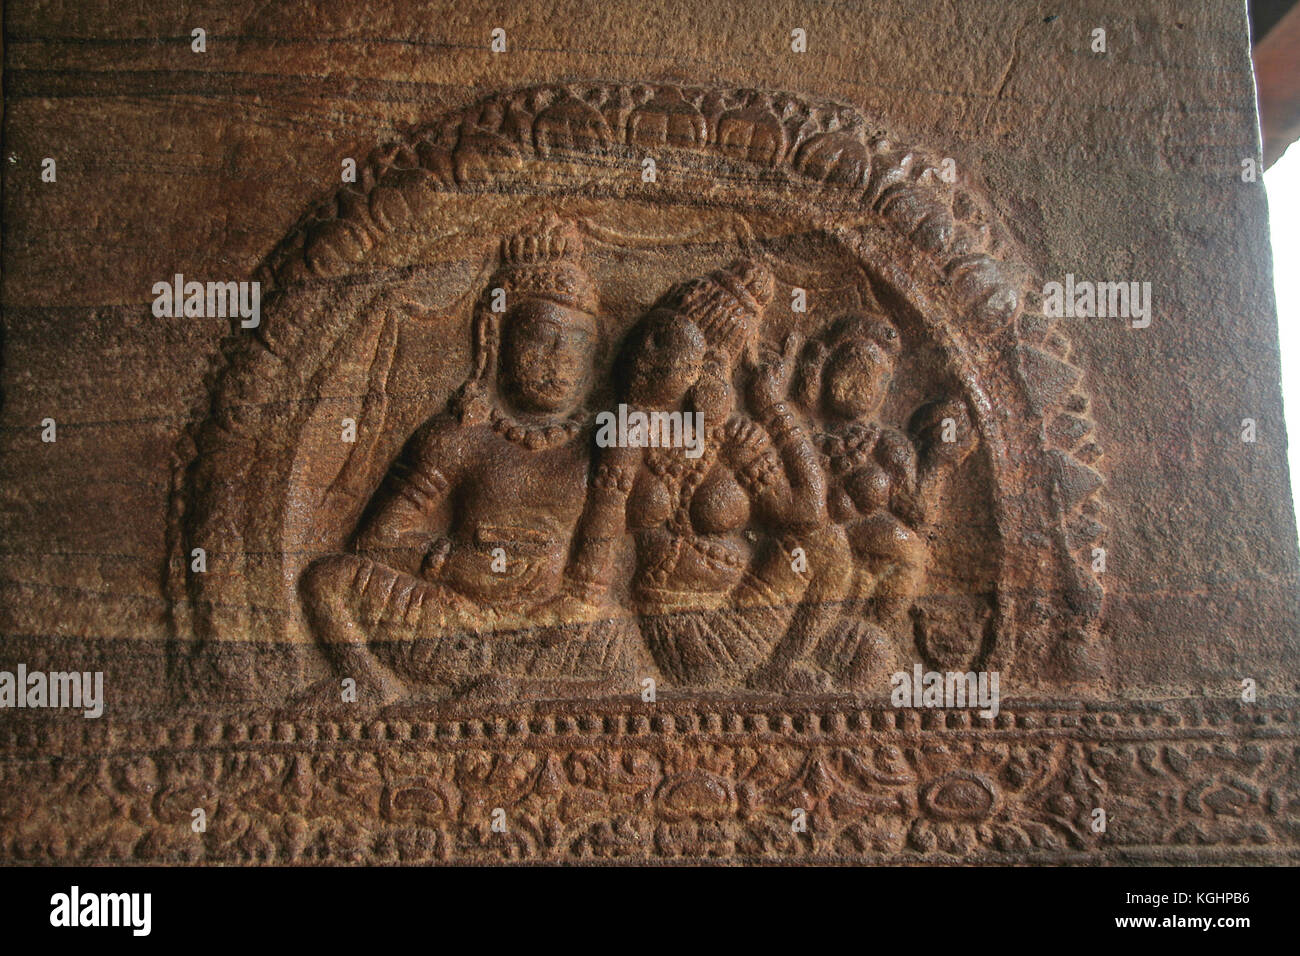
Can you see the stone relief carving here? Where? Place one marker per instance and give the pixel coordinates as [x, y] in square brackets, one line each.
[760, 548]
[903, 473]
[469, 535]
[1212, 784]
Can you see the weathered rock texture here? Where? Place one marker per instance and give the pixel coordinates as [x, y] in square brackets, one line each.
[367, 579]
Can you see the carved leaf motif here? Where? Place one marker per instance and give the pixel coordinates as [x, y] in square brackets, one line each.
[666, 120]
[571, 125]
[481, 156]
[837, 159]
[753, 134]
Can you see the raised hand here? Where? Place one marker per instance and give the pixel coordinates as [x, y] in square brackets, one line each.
[771, 373]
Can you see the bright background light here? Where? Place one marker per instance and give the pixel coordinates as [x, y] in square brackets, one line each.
[1282, 181]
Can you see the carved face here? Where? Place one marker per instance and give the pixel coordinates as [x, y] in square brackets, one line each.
[546, 356]
[857, 378]
[662, 360]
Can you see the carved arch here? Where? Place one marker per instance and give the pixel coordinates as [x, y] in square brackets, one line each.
[937, 246]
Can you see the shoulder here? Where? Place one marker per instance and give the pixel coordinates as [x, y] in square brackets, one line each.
[440, 441]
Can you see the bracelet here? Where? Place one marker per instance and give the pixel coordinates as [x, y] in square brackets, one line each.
[782, 426]
[610, 477]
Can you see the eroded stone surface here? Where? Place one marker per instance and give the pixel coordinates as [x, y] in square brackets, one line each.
[427, 585]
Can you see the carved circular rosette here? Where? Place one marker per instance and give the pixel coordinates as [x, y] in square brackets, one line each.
[934, 245]
[1197, 782]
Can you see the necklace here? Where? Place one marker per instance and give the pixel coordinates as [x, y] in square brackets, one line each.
[535, 437]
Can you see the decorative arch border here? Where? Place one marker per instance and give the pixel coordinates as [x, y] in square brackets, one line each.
[889, 203]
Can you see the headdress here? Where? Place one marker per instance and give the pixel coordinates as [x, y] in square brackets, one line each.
[727, 304]
[875, 329]
[544, 261]
[541, 261]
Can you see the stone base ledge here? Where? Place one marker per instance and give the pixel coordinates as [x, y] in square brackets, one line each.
[685, 779]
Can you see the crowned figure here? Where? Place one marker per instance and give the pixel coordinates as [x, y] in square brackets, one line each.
[471, 529]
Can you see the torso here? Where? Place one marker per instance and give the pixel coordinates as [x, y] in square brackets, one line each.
[688, 516]
[524, 502]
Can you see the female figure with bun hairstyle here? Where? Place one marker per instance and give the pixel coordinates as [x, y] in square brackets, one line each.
[715, 583]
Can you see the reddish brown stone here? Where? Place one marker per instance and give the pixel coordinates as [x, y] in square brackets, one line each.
[373, 550]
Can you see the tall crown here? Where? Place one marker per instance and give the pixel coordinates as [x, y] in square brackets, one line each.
[727, 304]
[544, 260]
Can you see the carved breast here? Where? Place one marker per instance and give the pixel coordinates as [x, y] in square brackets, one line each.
[720, 505]
[651, 503]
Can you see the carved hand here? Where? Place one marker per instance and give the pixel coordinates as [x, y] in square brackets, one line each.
[434, 557]
[770, 382]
